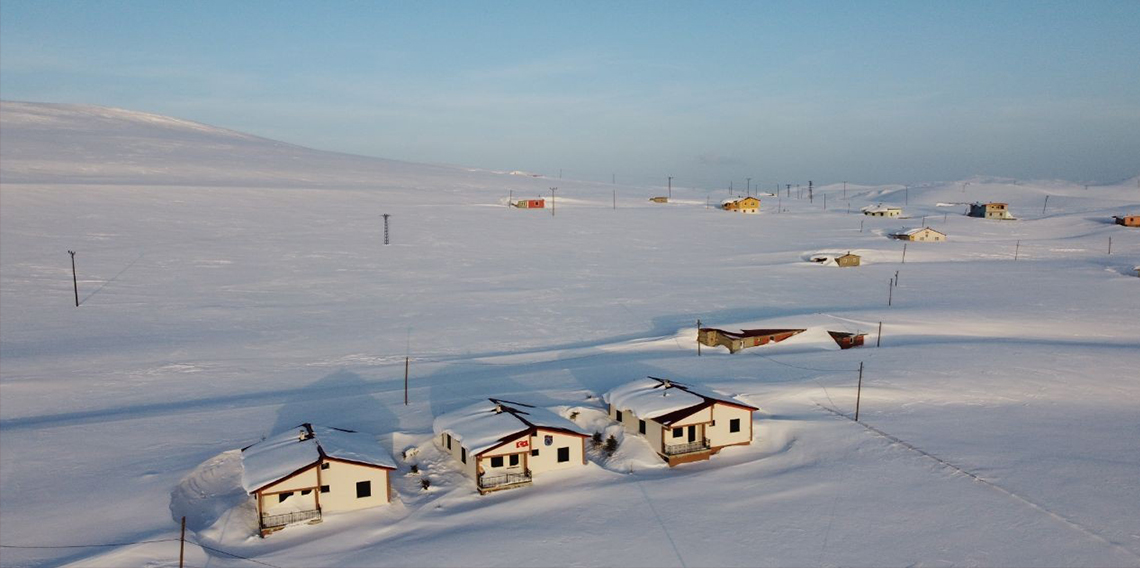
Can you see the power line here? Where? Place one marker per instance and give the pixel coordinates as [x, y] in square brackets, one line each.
[234, 555]
[90, 545]
[799, 367]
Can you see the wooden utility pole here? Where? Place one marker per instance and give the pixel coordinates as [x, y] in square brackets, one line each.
[896, 278]
[844, 190]
[182, 544]
[386, 228]
[1016, 249]
[552, 190]
[904, 254]
[811, 199]
[670, 187]
[75, 280]
[861, 225]
[859, 391]
[890, 291]
[510, 198]
[1046, 205]
[406, 360]
[906, 196]
[698, 338]
[825, 201]
[1109, 250]
[879, 336]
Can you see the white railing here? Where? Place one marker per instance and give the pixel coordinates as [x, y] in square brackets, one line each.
[493, 481]
[691, 447]
[273, 521]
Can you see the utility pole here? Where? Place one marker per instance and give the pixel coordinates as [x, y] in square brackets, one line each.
[406, 361]
[552, 190]
[906, 196]
[859, 391]
[879, 336]
[844, 190]
[385, 228]
[810, 199]
[861, 225]
[510, 198]
[559, 173]
[825, 201]
[670, 187]
[964, 186]
[890, 291]
[698, 338]
[1109, 247]
[182, 544]
[75, 280]
[748, 187]
[1046, 205]
[904, 254]
[1016, 249]
[615, 199]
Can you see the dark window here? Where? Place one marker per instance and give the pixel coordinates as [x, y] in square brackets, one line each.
[678, 432]
[497, 461]
[306, 491]
[734, 425]
[514, 460]
[448, 441]
[325, 465]
[363, 489]
[641, 426]
[463, 455]
[534, 452]
[617, 413]
[283, 496]
[563, 455]
[324, 489]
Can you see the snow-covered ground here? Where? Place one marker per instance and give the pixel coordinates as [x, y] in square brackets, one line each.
[232, 287]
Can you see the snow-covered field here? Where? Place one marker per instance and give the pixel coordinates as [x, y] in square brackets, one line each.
[232, 287]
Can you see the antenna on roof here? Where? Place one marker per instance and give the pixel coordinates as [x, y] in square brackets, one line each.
[498, 409]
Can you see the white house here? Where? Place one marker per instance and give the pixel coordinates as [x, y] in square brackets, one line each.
[302, 473]
[881, 210]
[920, 234]
[682, 423]
[502, 444]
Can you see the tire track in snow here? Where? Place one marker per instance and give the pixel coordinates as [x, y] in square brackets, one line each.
[1013, 495]
[661, 523]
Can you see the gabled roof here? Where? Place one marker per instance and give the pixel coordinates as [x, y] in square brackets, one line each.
[292, 451]
[916, 230]
[487, 424]
[666, 401]
[752, 332]
[880, 208]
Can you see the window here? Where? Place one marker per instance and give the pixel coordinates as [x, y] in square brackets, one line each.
[534, 452]
[363, 489]
[678, 432]
[463, 455]
[306, 491]
[324, 489]
[563, 455]
[514, 460]
[734, 425]
[448, 437]
[641, 426]
[325, 465]
[497, 461]
[281, 497]
[617, 414]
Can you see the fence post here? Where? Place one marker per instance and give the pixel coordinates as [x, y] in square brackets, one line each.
[879, 336]
[859, 391]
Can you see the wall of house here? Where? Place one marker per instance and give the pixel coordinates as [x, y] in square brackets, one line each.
[632, 424]
[469, 467]
[703, 415]
[271, 504]
[547, 458]
[722, 415]
[303, 480]
[342, 477]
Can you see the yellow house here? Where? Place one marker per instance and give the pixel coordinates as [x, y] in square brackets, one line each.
[881, 210]
[741, 205]
[298, 475]
[682, 423]
[925, 234]
[503, 444]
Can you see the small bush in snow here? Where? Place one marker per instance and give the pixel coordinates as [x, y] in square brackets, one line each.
[574, 415]
[425, 483]
[596, 439]
[611, 445]
[415, 468]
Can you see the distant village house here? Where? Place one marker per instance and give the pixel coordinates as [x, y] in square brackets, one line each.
[298, 475]
[502, 444]
[539, 203]
[681, 423]
[847, 340]
[920, 234]
[1127, 220]
[991, 210]
[881, 210]
[741, 205]
[745, 338]
[841, 261]
[659, 199]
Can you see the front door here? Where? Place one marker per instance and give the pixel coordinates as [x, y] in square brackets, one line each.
[692, 433]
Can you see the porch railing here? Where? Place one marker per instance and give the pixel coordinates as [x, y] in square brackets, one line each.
[492, 481]
[691, 447]
[271, 521]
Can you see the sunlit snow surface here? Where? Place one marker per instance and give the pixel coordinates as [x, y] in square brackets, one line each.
[233, 287]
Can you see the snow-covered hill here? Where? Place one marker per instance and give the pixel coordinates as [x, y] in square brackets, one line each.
[1000, 406]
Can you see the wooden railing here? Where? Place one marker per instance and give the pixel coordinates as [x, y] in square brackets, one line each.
[271, 521]
[691, 447]
[492, 481]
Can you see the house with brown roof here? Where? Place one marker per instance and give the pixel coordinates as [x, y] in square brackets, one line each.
[299, 475]
[992, 210]
[659, 199]
[681, 422]
[924, 234]
[539, 203]
[1127, 220]
[743, 339]
[502, 444]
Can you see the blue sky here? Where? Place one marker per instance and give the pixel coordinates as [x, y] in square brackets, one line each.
[872, 92]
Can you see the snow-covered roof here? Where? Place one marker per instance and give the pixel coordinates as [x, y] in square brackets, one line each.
[290, 451]
[663, 400]
[915, 231]
[485, 424]
[880, 208]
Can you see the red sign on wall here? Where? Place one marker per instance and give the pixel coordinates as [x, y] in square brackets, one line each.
[522, 443]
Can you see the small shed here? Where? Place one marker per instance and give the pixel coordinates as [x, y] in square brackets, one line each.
[847, 340]
[924, 234]
[298, 475]
[991, 210]
[503, 444]
[539, 203]
[682, 423]
[1127, 220]
[848, 260]
[881, 210]
[741, 204]
[659, 199]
